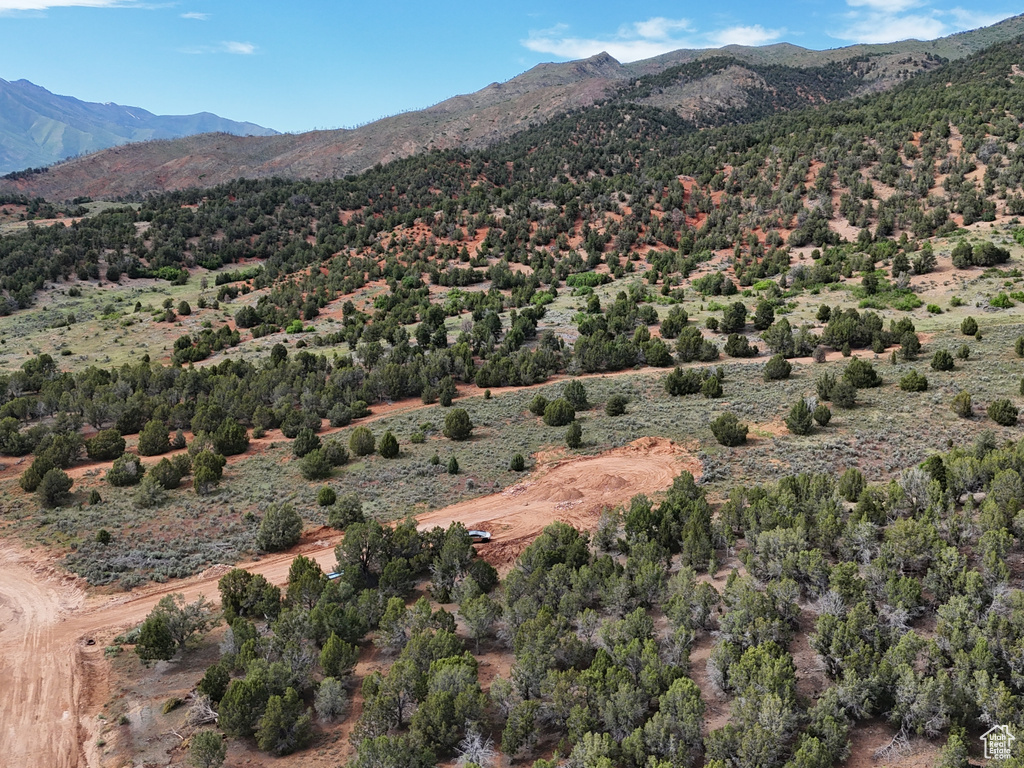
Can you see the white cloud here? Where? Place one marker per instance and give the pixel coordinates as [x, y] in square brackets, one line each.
[42, 5]
[753, 35]
[885, 21]
[195, 15]
[658, 28]
[245, 49]
[228, 46]
[887, 28]
[890, 7]
[644, 39]
[965, 19]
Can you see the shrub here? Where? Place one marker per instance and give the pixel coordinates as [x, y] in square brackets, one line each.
[1001, 411]
[851, 483]
[339, 415]
[33, 476]
[800, 419]
[824, 384]
[963, 352]
[538, 404]
[861, 374]
[822, 414]
[207, 749]
[150, 493]
[844, 394]
[388, 447]
[457, 424]
[316, 465]
[326, 496]
[734, 317]
[914, 382]
[230, 438]
[942, 360]
[207, 470]
[1019, 346]
[304, 442]
[680, 382]
[576, 394]
[107, 445]
[738, 345]
[559, 413]
[691, 345]
[962, 254]
[125, 471]
[54, 486]
[166, 474]
[335, 452]
[961, 404]
[728, 430]
[777, 368]
[453, 466]
[573, 435]
[910, 346]
[280, 528]
[446, 391]
[518, 463]
[361, 442]
[969, 326]
[207, 460]
[94, 497]
[347, 509]
[1001, 301]
[616, 405]
[711, 388]
[155, 638]
[154, 438]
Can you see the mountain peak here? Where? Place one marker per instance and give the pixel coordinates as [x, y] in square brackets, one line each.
[75, 127]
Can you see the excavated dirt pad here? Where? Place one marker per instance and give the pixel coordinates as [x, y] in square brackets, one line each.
[573, 491]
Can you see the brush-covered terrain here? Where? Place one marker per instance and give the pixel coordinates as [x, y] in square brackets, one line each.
[737, 402]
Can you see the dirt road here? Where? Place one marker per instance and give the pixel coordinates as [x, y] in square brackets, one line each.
[52, 680]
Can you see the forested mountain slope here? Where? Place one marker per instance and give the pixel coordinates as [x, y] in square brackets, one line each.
[707, 87]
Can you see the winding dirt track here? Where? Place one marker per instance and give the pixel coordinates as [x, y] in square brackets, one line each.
[51, 679]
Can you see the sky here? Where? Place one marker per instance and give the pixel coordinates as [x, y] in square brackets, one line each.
[318, 64]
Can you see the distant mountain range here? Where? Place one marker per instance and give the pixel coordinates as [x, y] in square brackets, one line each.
[706, 87]
[39, 128]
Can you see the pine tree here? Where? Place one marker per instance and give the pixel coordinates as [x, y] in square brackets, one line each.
[800, 420]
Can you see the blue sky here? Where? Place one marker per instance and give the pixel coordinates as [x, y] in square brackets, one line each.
[303, 65]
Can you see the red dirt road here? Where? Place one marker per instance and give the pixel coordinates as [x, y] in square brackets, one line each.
[51, 680]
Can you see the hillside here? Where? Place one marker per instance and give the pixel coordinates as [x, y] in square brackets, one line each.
[736, 392]
[39, 128]
[758, 76]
